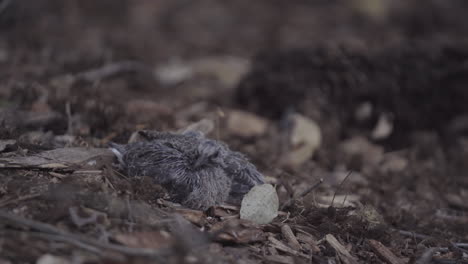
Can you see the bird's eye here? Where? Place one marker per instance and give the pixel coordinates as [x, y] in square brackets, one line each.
[214, 155]
[168, 144]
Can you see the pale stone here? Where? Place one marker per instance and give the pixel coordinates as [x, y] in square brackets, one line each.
[260, 204]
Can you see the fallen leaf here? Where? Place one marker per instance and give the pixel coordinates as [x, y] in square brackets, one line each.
[260, 204]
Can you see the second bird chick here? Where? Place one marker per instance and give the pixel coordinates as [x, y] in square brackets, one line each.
[198, 172]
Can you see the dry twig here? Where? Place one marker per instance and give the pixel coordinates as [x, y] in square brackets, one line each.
[78, 240]
[301, 195]
[282, 247]
[384, 253]
[69, 118]
[19, 199]
[290, 237]
[279, 259]
[340, 186]
[341, 251]
[412, 234]
[426, 257]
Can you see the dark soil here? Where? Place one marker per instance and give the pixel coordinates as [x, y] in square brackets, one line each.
[84, 73]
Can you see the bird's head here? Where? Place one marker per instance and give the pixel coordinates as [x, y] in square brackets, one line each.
[207, 151]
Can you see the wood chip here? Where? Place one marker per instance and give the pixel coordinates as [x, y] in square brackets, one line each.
[341, 251]
[216, 211]
[88, 172]
[60, 158]
[237, 231]
[384, 253]
[194, 216]
[279, 259]
[245, 236]
[57, 175]
[272, 251]
[224, 212]
[308, 239]
[156, 239]
[290, 237]
[284, 248]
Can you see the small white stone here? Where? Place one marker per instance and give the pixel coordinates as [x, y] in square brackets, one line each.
[384, 127]
[305, 139]
[245, 124]
[260, 204]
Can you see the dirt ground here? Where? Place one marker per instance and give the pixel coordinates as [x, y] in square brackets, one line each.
[385, 81]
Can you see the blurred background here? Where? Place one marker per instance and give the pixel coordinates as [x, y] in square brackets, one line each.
[175, 53]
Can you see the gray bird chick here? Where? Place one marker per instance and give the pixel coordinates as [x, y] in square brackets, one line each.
[198, 172]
